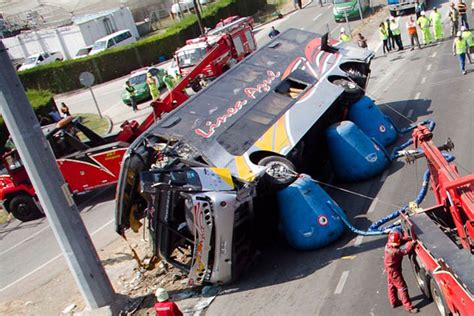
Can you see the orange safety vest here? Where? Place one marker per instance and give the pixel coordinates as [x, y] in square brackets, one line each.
[411, 26]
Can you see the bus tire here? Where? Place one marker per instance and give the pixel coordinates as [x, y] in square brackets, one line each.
[352, 92]
[438, 298]
[280, 171]
[24, 208]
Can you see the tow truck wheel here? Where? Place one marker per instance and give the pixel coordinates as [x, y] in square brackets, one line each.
[280, 171]
[438, 298]
[422, 278]
[352, 92]
[24, 208]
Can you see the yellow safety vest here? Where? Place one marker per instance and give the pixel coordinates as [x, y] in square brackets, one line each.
[383, 33]
[467, 35]
[395, 28]
[345, 38]
[461, 46]
[423, 22]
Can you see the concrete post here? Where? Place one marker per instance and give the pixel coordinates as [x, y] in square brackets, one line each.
[40, 42]
[23, 47]
[54, 195]
[63, 45]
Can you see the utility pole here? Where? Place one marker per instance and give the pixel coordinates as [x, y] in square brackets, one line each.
[54, 195]
[198, 14]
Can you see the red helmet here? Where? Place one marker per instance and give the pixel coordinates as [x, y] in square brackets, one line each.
[394, 237]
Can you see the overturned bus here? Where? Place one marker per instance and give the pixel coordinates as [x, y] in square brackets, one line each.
[201, 176]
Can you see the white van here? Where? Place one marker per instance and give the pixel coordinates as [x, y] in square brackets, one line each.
[119, 38]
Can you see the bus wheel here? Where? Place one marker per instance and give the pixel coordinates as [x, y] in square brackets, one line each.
[24, 208]
[438, 298]
[352, 92]
[280, 171]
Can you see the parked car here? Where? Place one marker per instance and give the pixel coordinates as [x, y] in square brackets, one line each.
[40, 59]
[185, 5]
[116, 39]
[350, 8]
[83, 52]
[138, 81]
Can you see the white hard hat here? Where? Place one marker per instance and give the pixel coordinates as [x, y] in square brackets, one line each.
[463, 28]
[458, 33]
[422, 12]
[161, 295]
[342, 29]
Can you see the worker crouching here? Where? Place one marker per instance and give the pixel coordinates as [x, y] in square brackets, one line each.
[397, 287]
[165, 307]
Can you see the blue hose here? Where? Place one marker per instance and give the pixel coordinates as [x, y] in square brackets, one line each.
[376, 228]
[395, 153]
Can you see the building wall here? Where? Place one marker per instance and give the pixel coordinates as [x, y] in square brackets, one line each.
[68, 40]
[121, 19]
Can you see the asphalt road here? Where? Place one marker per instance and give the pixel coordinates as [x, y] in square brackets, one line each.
[343, 279]
[347, 278]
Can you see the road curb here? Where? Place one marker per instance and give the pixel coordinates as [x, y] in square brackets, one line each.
[110, 122]
[261, 25]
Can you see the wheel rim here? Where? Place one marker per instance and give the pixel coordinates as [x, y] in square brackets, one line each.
[278, 170]
[23, 209]
[438, 301]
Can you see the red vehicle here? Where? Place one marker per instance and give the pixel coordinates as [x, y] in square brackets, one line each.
[93, 163]
[234, 38]
[85, 165]
[443, 261]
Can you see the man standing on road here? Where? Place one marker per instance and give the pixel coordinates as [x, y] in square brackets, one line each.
[453, 19]
[462, 9]
[397, 287]
[424, 24]
[460, 49]
[343, 36]
[298, 5]
[384, 37]
[411, 27]
[395, 28]
[391, 39]
[435, 18]
[131, 95]
[418, 8]
[467, 35]
[169, 81]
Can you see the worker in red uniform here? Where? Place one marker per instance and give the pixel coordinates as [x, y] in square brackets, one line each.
[165, 307]
[397, 287]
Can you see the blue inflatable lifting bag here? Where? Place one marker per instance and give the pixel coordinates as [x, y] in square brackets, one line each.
[307, 220]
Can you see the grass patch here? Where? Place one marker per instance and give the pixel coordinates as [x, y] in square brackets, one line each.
[99, 125]
[4, 216]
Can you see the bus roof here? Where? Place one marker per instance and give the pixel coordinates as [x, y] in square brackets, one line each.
[231, 114]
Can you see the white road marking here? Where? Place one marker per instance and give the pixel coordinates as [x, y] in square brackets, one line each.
[384, 176]
[31, 272]
[434, 54]
[317, 16]
[302, 28]
[423, 80]
[25, 240]
[373, 205]
[358, 240]
[51, 260]
[428, 68]
[410, 113]
[342, 282]
[417, 95]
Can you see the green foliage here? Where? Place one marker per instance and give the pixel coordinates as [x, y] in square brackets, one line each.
[113, 63]
[42, 102]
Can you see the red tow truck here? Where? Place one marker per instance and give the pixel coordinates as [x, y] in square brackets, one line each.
[443, 261]
[96, 162]
[234, 39]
